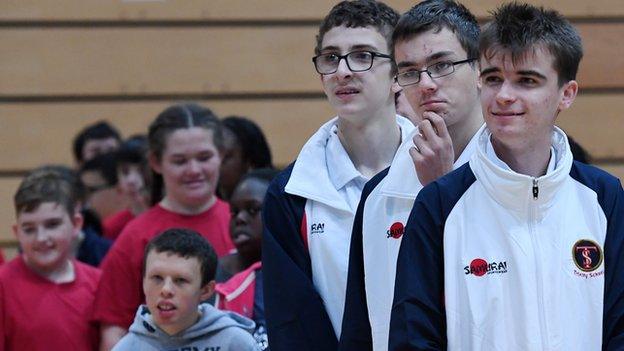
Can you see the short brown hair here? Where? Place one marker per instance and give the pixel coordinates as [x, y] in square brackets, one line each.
[44, 185]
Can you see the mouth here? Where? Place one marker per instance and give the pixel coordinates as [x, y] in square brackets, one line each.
[195, 183]
[431, 102]
[507, 114]
[166, 309]
[240, 237]
[43, 249]
[345, 92]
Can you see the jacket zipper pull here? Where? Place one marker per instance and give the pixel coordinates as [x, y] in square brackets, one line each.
[535, 189]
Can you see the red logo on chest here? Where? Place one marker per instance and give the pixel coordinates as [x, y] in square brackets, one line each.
[396, 230]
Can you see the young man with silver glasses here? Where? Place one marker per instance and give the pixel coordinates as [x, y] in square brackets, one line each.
[309, 208]
[435, 47]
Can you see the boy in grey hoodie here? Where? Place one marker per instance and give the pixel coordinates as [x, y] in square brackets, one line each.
[178, 273]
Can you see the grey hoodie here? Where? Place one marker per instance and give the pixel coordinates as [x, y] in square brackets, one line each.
[214, 331]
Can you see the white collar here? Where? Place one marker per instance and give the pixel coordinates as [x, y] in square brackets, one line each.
[339, 166]
[491, 154]
[310, 176]
[514, 190]
[402, 180]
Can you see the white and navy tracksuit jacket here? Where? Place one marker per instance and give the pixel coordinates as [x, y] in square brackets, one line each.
[305, 250]
[379, 224]
[495, 260]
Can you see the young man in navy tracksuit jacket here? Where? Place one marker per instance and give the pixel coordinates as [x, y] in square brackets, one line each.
[309, 208]
[520, 249]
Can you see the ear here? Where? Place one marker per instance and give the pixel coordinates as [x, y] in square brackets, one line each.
[207, 290]
[154, 162]
[77, 221]
[570, 89]
[15, 229]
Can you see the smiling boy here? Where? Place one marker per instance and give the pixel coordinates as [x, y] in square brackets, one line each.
[521, 248]
[178, 274]
[310, 207]
[46, 296]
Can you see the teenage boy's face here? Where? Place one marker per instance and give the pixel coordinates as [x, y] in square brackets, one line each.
[521, 100]
[452, 97]
[357, 94]
[246, 221]
[46, 236]
[172, 287]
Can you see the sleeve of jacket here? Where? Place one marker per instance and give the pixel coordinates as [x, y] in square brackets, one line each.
[613, 320]
[295, 314]
[418, 319]
[356, 334]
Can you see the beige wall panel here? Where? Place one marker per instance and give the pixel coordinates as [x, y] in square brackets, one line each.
[597, 123]
[8, 186]
[157, 60]
[244, 9]
[35, 134]
[603, 62]
[615, 169]
[207, 60]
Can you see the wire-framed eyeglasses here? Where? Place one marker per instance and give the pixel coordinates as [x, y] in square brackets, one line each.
[436, 70]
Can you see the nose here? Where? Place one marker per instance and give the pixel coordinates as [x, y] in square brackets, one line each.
[427, 83]
[240, 218]
[505, 95]
[167, 288]
[343, 70]
[41, 234]
[193, 166]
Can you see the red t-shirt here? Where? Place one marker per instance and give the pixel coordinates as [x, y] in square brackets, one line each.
[114, 224]
[120, 292]
[37, 314]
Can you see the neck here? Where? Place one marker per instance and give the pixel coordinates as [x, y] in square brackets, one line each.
[185, 209]
[137, 207]
[63, 274]
[462, 132]
[247, 261]
[531, 160]
[370, 144]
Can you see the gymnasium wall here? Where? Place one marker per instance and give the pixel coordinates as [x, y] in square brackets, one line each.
[69, 63]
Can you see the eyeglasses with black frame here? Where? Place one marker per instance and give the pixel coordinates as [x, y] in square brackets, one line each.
[357, 61]
[436, 70]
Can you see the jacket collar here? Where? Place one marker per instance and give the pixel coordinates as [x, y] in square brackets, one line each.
[513, 190]
[402, 179]
[310, 176]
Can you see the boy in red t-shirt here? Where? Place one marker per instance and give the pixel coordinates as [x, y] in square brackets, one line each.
[132, 185]
[46, 296]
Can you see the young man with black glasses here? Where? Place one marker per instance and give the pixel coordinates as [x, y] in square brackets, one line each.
[309, 208]
[435, 47]
[521, 248]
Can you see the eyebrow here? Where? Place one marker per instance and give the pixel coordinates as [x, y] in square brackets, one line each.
[489, 70]
[432, 57]
[522, 73]
[532, 73]
[351, 49]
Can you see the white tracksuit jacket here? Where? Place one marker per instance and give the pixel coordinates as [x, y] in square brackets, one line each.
[495, 260]
[387, 201]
